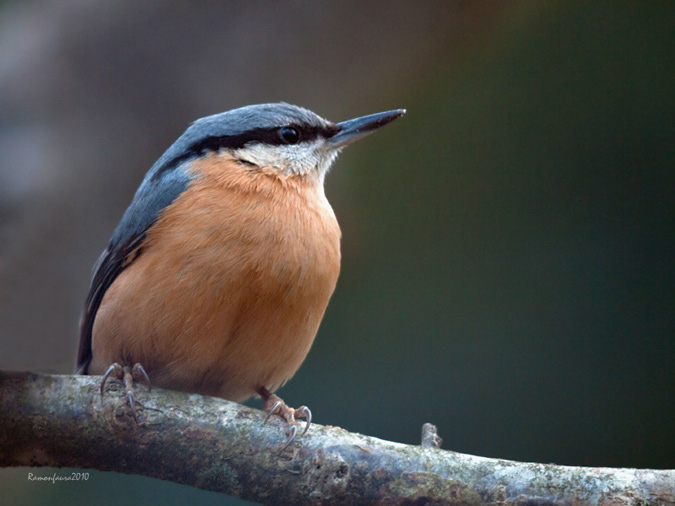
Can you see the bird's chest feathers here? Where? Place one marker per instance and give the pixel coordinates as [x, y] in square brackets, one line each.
[251, 232]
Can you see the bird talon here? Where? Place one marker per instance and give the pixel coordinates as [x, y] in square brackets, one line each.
[114, 368]
[293, 430]
[139, 371]
[304, 412]
[130, 398]
[128, 375]
[274, 408]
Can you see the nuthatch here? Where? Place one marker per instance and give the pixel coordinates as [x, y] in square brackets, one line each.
[218, 274]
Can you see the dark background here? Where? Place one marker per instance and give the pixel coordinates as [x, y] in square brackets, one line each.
[508, 248]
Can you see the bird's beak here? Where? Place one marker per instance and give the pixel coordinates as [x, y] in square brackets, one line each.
[354, 129]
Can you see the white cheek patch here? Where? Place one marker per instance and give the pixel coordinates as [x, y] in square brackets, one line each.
[301, 158]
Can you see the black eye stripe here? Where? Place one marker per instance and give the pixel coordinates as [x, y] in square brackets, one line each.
[262, 135]
[268, 136]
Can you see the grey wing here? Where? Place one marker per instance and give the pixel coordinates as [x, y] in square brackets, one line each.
[111, 263]
[157, 191]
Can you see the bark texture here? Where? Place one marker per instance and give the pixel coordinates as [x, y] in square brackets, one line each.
[48, 420]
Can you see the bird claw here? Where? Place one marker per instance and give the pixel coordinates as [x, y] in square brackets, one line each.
[301, 412]
[128, 375]
[273, 410]
[304, 412]
[139, 370]
[292, 431]
[115, 369]
[132, 400]
[275, 406]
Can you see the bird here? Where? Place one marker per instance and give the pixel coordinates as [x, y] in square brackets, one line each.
[218, 275]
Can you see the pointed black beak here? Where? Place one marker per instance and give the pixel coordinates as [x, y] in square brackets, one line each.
[355, 129]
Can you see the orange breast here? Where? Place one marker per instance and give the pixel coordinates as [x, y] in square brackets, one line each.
[231, 285]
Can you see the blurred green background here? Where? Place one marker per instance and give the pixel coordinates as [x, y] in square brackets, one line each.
[508, 254]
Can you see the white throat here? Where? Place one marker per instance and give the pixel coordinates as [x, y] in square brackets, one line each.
[301, 159]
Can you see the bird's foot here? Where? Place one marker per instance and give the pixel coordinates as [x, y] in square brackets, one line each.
[275, 406]
[128, 375]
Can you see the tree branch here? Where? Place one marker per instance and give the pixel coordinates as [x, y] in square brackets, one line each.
[226, 447]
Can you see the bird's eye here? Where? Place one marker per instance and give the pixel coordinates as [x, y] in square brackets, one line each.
[289, 135]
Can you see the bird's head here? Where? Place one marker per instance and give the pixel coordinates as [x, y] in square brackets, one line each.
[287, 138]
